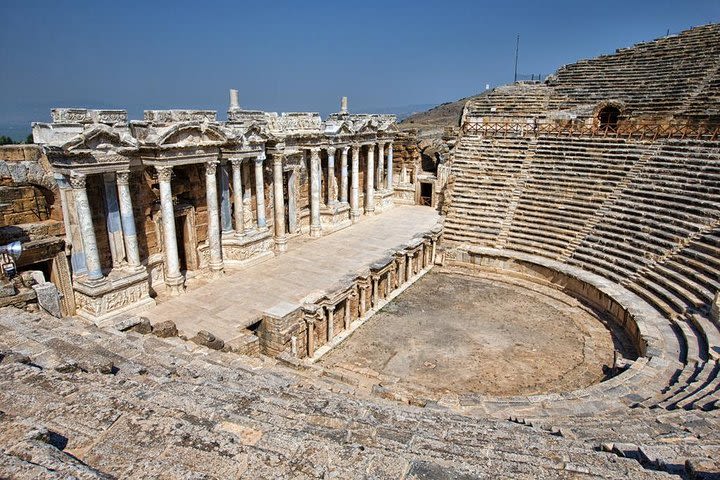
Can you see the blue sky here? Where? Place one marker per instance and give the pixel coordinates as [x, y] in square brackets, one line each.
[301, 55]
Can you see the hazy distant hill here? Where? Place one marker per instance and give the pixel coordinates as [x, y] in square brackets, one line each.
[432, 122]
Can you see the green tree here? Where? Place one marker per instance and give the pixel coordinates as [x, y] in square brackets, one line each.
[29, 139]
[5, 140]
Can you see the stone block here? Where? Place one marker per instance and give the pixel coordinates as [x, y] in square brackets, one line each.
[209, 340]
[143, 326]
[125, 322]
[165, 329]
[13, 357]
[7, 289]
[48, 298]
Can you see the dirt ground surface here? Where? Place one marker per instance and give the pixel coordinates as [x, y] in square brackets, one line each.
[452, 333]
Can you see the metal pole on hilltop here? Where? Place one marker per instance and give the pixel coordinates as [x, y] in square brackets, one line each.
[517, 47]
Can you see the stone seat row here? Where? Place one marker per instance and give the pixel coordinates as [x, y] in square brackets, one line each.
[271, 415]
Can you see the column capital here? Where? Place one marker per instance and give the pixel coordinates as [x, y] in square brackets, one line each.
[315, 152]
[235, 162]
[345, 149]
[211, 167]
[77, 180]
[123, 177]
[331, 149]
[260, 159]
[164, 172]
[278, 158]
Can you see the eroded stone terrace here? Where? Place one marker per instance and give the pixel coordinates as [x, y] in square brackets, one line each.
[88, 403]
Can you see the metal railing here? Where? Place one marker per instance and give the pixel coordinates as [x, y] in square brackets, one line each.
[641, 130]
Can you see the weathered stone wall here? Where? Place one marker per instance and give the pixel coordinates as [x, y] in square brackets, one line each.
[28, 192]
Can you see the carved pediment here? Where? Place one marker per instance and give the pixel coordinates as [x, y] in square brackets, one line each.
[193, 134]
[342, 128]
[101, 137]
[254, 135]
[391, 128]
[369, 126]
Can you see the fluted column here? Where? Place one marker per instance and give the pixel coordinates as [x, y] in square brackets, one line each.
[173, 277]
[370, 181]
[238, 208]
[380, 166]
[215, 247]
[280, 236]
[389, 174]
[225, 212]
[260, 193]
[344, 175]
[112, 220]
[315, 192]
[127, 218]
[355, 189]
[331, 181]
[87, 231]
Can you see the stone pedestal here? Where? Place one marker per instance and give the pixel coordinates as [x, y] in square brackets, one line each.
[120, 293]
[335, 217]
[249, 249]
[384, 200]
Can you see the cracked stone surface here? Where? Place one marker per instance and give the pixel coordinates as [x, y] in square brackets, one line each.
[173, 409]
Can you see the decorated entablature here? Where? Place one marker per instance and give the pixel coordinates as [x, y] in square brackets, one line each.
[87, 141]
[150, 200]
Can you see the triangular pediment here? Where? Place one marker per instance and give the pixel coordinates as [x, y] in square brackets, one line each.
[101, 137]
[194, 134]
[254, 134]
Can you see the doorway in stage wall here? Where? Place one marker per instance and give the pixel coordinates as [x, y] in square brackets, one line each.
[426, 193]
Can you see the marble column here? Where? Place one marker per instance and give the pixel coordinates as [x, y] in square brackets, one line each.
[370, 181]
[331, 181]
[173, 277]
[279, 206]
[112, 220]
[362, 302]
[238, 207]
[247, 197]
[315, 228]
[310, 336]
[260, 193]
[389, 173]
[375, 291]
[344, 175]
[380, 183]
[213, 213]
[225, 211]
[73, 243]
[355, 188]
[330, 322]
[127, 218]
[292, 201]
[346, 313]
[87, 231]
